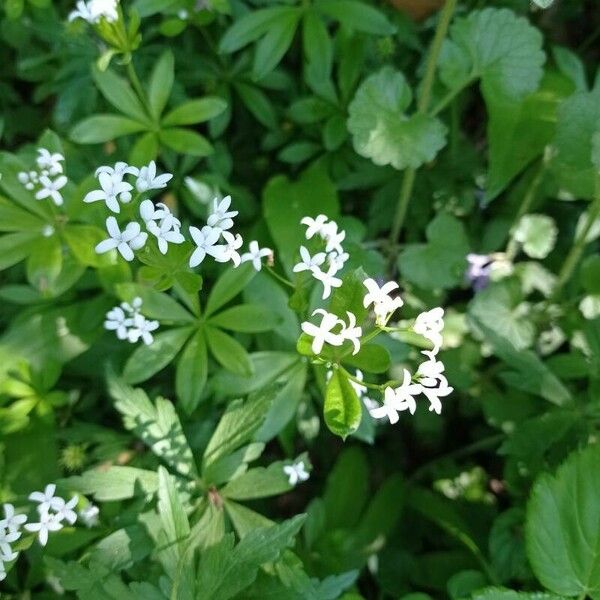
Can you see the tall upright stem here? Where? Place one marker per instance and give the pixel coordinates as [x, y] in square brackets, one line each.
[422, 108]
[137, 85]
[577, 250]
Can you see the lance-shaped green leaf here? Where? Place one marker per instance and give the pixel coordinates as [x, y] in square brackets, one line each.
[237, 426]
[195, 111]
[115, 483]
[155, 305]
[161, 83]
[228, 286]
[246, 318]
[156, 424]
[260, 482]
[356, 15]
[226, 569]
[497, 593]
[148, 360]
[563, 527]
[228, 352]
[383, 131]
[192, 371]
[498, 47]
[342, 408]
[104, 128]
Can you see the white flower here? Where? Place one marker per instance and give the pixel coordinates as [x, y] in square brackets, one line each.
[165, 234]
[405, 394]
[51, 189]
[7, 537]
[130, 239]
[118, 171]
[48, 522]
[2, 571]
[205, 240]
[148, 180]
[324, 332]
[117, 321]
[296, 472]
[333, 237]
[134, 307]
[431, 368]
[358, 388]
[89, 515]
[383, 304]
[429, 324]
[328, 279]
[142, 328]
[590, 306]
[94, 10]
[338, 259]
[46, 499]
[11, 521]
[151, 212]
[308, 262]
[64, 510]
[50, 162]
[314, 226]
[221, 217]
[351, 332]
[228, 251]
[434, 389]
[255, 254]
[388, 408]
[111, 189]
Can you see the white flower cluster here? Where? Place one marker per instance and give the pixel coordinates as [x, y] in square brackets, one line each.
[158, 220]
[383, 304]
[129, 324]
[216, 230]
[53, 511]
[94, 10]
[334, 255]
[48, 180]
[332, 330]
[429, 380]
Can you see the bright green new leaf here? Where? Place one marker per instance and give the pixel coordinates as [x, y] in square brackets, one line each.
[382, 131]
[342, 410]
[563, 526]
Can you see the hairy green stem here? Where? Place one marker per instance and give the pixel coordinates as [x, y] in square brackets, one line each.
[422, 108]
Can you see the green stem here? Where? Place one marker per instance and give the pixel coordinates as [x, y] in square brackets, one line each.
[450, 96]
[528, 198]
[349, 375]
[137, 85]
[577, 250]
[422, 108]
[280, 278]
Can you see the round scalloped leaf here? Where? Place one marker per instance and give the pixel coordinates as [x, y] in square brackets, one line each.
[383, 132]
[537, 234]
[563, 527]
[502, 49]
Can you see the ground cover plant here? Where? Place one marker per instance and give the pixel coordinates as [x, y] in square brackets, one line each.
[300, 299]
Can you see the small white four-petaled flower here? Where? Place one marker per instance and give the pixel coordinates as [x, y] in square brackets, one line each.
[113, 190]
[126, 241]
[323, 333]
[149, 180]
[255, 254]
[221, 217]
[51, 189]
[296, 472]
